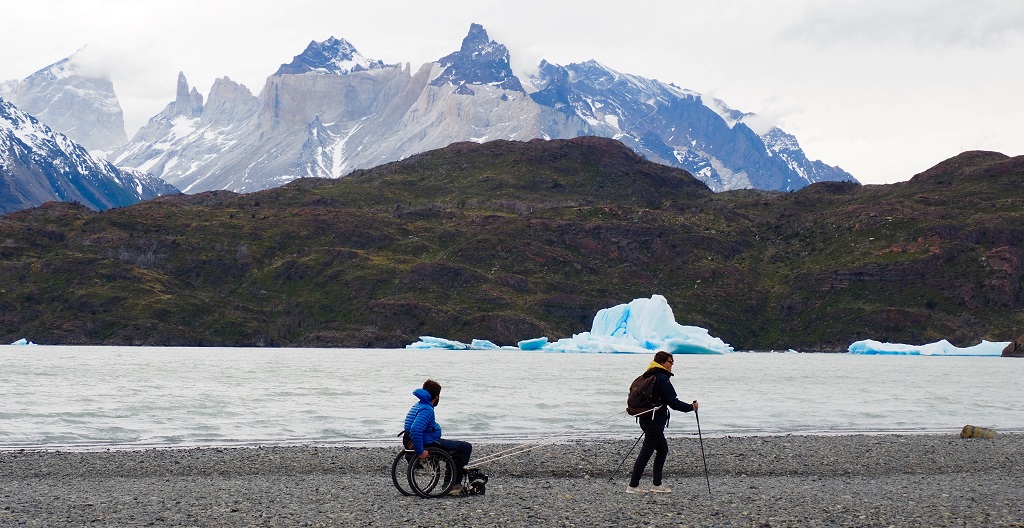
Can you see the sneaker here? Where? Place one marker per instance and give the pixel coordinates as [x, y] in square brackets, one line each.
[456, 490]
[661, 488]
[635, 489]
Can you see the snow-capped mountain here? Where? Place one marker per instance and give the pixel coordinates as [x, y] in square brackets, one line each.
[678, 127]
[38, 165]
[333, 55]
[325, 124]
[332, 110]
[83, 107]
[479, 61]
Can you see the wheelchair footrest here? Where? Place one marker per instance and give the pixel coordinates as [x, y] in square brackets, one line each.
[477, 483]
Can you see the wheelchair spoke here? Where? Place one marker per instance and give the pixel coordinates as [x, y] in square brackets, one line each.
[433, 477]
[400, 473]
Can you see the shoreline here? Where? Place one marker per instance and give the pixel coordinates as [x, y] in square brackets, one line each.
[483, 440]
[780, 480]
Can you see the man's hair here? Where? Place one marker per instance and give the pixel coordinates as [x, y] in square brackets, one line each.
[433, 387]
[661, 357]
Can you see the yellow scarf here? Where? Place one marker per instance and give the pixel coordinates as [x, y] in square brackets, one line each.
[655, 364]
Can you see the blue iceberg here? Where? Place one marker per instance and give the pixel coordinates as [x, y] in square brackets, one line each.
[641, 326]
[938, 348]
[22, 341]
[536, 343]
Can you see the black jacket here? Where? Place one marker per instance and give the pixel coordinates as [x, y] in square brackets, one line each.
[666, 393]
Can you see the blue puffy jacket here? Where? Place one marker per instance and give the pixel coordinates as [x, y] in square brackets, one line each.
[420, 421]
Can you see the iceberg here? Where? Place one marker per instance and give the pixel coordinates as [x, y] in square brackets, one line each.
[438, 342]
[641, 326]
[938, 348]
[22, 341]
[483, 344]
[536, 343]
[430, 342]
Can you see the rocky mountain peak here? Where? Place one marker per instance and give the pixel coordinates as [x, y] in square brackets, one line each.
[72, 101]
[229, 102]
[780, 141]
[335, 56]
[187, 103]
[480, 61]
[41, 165]
[476, 39]
[11, 118]
[61, 69]
[554, 89]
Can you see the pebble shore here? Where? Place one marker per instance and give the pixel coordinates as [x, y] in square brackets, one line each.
[769, 481]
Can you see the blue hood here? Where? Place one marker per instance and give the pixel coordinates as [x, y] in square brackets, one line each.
[423, 395]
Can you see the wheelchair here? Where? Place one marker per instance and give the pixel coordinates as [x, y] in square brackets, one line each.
[433, 476]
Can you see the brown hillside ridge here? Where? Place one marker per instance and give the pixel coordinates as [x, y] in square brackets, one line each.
[512, 240]
[1015, 348]
[970, 163]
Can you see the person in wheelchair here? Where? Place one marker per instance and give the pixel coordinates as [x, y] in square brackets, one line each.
[425, 432]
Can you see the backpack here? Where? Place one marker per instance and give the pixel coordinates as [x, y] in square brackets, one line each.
[641, 395]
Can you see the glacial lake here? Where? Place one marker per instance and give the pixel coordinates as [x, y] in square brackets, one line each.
[88, 398]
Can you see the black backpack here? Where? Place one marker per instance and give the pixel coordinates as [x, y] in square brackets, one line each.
[641, 395]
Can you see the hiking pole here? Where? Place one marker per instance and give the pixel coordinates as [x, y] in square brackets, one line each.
[704, 458]
[612, 476]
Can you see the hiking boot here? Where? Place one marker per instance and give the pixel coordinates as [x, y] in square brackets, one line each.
[456, 490]
[661, 488]
[635, 489]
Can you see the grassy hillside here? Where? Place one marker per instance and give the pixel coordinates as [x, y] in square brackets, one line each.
[510, 240]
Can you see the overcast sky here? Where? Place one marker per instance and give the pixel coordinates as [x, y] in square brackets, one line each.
[884, 89]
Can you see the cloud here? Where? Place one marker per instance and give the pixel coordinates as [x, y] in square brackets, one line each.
[90, 61]
[760, 124]
[925, 24]
[524, 54]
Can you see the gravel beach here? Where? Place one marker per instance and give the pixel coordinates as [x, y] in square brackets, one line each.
[770, 481]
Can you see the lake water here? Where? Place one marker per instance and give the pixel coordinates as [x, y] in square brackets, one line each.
[87, 398]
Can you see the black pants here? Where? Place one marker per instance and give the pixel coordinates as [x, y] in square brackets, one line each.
[654, 442]
[462, 451]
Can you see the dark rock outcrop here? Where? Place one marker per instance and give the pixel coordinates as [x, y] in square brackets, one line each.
[1015, 348]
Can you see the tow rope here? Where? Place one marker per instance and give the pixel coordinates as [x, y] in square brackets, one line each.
[549, 439]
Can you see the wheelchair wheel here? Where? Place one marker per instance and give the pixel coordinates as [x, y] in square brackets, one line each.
[400, 473]
[434, 476]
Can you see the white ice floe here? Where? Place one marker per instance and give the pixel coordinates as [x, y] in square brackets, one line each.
[938, 348]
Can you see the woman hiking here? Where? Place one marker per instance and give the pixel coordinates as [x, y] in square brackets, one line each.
[653, 425]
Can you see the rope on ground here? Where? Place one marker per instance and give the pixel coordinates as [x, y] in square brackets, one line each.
[548, 440]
